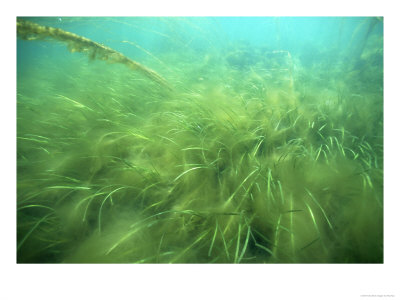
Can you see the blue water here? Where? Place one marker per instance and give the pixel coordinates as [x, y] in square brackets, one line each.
[296, 35]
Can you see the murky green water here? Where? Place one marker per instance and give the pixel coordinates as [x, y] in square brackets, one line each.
[262, 144]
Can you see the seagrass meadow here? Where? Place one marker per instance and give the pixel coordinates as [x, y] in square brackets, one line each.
[199, 140]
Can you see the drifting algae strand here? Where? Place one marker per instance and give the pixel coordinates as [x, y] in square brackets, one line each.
[28, 30]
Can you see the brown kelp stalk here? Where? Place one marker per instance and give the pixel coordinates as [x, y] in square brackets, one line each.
[27, 30]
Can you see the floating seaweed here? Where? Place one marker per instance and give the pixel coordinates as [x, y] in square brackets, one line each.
[28, 30]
